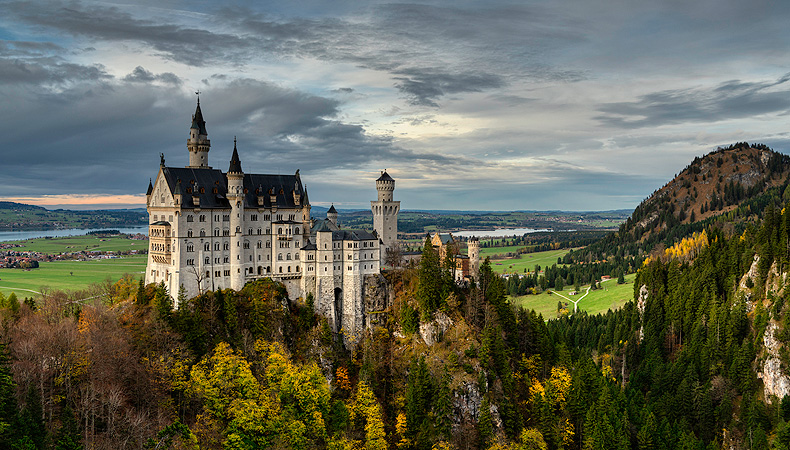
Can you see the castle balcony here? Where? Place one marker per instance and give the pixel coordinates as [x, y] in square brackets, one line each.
[159, 242]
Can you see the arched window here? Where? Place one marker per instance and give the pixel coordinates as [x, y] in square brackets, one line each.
[288, 256]
[226, 246]
[189, 218]
[297, 230]
[281, 270]
[279, 231]
[216, 246]
[189, 233]
[279, 257]
[260, 244]
[207, 246]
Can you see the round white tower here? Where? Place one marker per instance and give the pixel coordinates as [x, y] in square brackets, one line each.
[236, 198]
[198, 143]
[473, 252]
[385, 213]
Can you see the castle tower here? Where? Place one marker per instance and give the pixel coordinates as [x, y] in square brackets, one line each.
[198, 143]
[331, 215]
[236, 199]
[385, 213]
[473, 251]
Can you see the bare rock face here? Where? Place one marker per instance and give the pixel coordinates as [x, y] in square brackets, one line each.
[376, 300]
[432, 332]
[774, 380]
[641, 303]
[466, 404]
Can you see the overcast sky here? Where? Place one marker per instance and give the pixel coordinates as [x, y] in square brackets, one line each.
[572, 105]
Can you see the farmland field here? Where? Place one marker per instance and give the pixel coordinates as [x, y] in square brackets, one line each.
[526, 261]
[610, 296]
[72, 275]
[79, 243]
[69, 275]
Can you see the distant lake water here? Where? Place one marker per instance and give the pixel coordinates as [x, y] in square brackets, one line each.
[502, 232]
[33, 234]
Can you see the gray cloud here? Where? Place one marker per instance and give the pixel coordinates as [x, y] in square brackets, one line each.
[424, 88]
[730, 100]
[188, 45]
[140, 75]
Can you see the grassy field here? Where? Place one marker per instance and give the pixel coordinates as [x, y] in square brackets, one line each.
[72, 275]
[611, 296]
[68, 275]
[526, 261]
[78, 243]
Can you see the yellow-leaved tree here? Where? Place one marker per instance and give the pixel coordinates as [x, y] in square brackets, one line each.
[365, 410]
[303, 393]
[246, 415]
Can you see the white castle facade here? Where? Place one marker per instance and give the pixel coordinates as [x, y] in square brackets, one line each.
[211, 230]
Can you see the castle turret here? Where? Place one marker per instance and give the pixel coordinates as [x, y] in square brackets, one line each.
[236, 200]
[198, 143]
[385, 214]
[149, 192]
[331, 215]
[473, 251]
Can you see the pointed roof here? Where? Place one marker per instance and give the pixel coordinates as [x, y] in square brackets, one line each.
[150, 188]
[332, 209]
[385, 177]
[235, 163]
[197, 120]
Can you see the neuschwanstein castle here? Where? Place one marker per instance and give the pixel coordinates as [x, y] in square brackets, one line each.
[213, 230]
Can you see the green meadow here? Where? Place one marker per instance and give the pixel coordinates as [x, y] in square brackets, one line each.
[610, 296]
[72, 275]
[69, 275]
[525, 261]
[79, 243]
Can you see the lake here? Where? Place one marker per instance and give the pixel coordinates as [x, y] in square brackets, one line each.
[502, 232]
[33, 234]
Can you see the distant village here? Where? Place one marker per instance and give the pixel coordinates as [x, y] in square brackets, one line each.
[18, 259]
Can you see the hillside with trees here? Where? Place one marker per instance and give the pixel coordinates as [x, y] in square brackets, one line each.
[696, 361]
[19, 216]
[732, 185]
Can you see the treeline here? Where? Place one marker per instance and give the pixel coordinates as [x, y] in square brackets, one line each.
[557, 277]
[685, 350]
[453, 365]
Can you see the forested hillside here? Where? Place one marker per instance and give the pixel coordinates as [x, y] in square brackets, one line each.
[696, 361]
[732, 184]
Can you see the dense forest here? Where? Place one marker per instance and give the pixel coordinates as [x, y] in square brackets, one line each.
[454, 367]
[695, 361]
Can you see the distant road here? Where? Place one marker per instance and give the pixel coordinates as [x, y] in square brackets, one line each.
[576, 302]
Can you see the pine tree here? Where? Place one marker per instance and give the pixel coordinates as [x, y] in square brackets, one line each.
[68, 436]
[443, 406]
[430, 280]
[485, 424]
[142, 299]
[32, 423]
[9, 412]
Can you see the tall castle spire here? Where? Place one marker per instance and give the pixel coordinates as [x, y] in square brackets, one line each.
[198, 143]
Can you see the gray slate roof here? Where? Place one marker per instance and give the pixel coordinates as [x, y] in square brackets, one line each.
[282, 186]
[385, 177]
